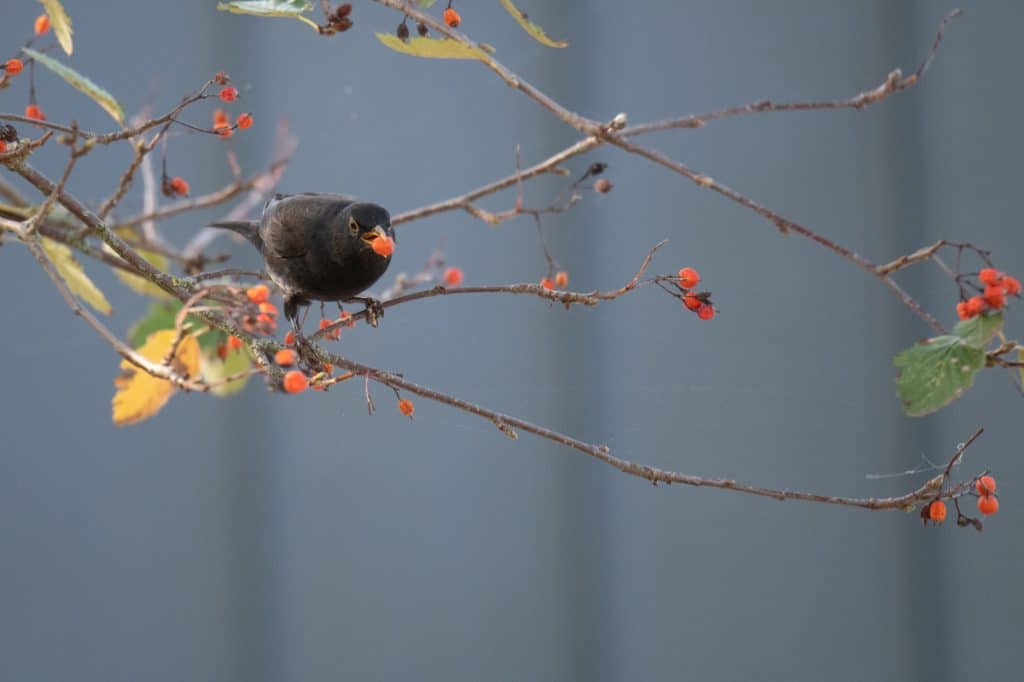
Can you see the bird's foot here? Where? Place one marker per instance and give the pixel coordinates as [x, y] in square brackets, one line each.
[374, 309]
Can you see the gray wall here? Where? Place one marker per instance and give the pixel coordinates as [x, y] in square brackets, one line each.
[270, 538]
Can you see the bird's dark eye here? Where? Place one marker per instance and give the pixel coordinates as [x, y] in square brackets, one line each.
[353, 226]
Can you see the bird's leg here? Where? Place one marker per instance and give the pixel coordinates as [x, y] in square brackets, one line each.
[291, 313]
[374, 308]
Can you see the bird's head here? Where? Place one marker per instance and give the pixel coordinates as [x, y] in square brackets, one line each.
[367, 223]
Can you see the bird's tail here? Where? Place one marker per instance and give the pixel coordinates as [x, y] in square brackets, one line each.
[247, 228]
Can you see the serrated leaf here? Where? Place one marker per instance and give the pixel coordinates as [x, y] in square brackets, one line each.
[74, 276]
[935, 372]
[80, 83]
[60, 22]
[290, 9]
[431, 48]
[140, 395]
[533, 29]
[212, 369]
[979, 330]
[161, 316]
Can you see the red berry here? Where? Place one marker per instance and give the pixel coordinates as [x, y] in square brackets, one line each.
[1012, 285]
[988, 504]
[3, 146]
[179, 186]
[937, 511]
[692, 302]
[561, 279]
[258, 293]
[406, 407]
[289, 338]
[990, 276]
[42, 24]
[234, 342]
[547, 283]
[962, 312]
[383, 246]
[346, 317]
[705, 311]
[453, 277]
[986, 485]
[334, 333]
[975, 304]
[13, 67]
[229, 94]
[995, 296]
[222, 351]
[220, 117]
[688, 278]
[286, 357]
[295, 382]
[34, 112]
[452, 18]
[268, 308]
[244, 121]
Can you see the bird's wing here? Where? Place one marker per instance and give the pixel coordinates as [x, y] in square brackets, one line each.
[292, 223]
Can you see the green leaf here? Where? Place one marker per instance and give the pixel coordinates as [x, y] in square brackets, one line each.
[979, 330]
[161, 316]
[533, 29]
[80, 82]
[935, 372]
[74, 276]
[290, 9]
[425, 3]
[60, 22]
[212, 369]
[432, 48]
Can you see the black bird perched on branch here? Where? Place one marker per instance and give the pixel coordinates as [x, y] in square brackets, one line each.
[320, 247]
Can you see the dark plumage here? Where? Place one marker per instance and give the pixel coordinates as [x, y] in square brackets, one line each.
[319, 247]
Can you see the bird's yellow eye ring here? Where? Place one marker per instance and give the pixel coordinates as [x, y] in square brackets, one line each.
[353, 226]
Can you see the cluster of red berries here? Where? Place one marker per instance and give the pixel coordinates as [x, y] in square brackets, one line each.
[988, 503]
[560, 281]
[696, 301]
[998, 286]
[263, 319]
[222, 124]
[345, 320]
[12, 67]
[338, 21]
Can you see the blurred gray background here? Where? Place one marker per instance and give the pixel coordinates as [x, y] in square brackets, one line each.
[273, 538]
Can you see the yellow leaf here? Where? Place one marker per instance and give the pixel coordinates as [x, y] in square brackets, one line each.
[80, 83]
[140, 395]
[60, 22]
[533, 29]
[74, 276]
[431, 48]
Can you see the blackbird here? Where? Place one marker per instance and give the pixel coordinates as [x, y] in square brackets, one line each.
[319, 247]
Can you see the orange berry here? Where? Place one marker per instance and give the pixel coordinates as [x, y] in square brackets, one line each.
[561, 279]
[962, 312]
[937, 511]
[406, 407]
[234, 342]
[295, 381]
[222, 351]
[383, 246]
[258, 293]
[547, 283]
[988, 504]
[453, 277]
[995, 296]
[286, 357]
[244, 121]
[289, 338]
[975, 304]
[705, 311]
[986, 485]
[223, 129]
[42, 24]
[179, 186]
[267, 320]
[692, 302]
[688, 278]
[268, 308]
[13, 67]
[228, 94]
[3, 146]
[452, 18]
[220, 117]
[1012, 285]
[346, 317]
[334, 333]
[990, 276]
[34, 112]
